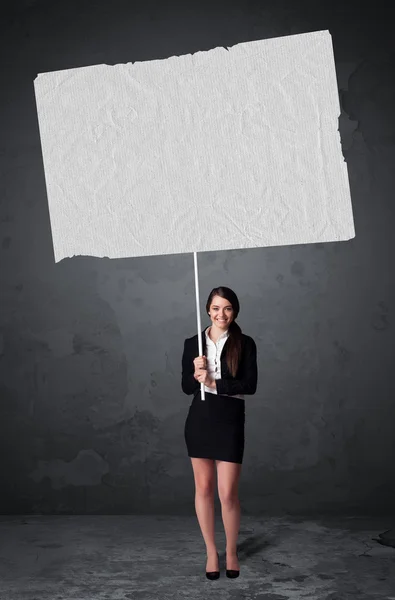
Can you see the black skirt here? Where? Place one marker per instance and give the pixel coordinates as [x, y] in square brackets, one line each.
[214, 427]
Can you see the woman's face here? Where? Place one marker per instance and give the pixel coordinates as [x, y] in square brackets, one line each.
[221, 312]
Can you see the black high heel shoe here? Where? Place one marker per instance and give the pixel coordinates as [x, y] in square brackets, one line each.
[233, 573]
[213, 574]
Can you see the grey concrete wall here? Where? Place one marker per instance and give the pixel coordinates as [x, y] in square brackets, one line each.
[91, 408]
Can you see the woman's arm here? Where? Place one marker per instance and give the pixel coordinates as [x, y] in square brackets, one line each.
[247, 384]
[189, 384]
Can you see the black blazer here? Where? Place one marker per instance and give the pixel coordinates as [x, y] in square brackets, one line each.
[246, 378]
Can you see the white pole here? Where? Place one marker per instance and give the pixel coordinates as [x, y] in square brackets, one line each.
[199, 324]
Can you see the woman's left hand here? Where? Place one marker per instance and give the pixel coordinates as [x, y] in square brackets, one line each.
[203, 377]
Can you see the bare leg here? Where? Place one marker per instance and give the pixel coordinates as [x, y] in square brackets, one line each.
[228, 483]
[204, 474]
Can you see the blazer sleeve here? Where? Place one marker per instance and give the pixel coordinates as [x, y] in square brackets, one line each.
[189, 384]
[247, 383]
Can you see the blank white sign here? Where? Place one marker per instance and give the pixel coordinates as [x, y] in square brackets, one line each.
[218, 150]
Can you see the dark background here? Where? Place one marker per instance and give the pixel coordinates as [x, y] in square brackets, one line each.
[91, 408]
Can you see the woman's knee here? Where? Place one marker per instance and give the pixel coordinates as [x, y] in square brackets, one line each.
[205, 489]
[204, 473]
[229, 496]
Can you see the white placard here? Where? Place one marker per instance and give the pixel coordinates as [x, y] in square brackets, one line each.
[218, 150]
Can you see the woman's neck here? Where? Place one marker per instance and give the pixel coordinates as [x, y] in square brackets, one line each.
[214, 333]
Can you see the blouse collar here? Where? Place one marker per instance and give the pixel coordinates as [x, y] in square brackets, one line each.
[225, 334]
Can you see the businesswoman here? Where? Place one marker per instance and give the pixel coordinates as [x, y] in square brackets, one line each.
[214, 428]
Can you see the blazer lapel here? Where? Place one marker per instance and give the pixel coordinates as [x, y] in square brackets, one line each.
[224, 366]
[204, 341]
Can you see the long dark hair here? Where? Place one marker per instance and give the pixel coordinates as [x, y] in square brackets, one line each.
[233, 353]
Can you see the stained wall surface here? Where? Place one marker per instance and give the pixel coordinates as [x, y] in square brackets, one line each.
[91, 408]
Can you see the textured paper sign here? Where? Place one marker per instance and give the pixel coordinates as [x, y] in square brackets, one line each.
[218, 150]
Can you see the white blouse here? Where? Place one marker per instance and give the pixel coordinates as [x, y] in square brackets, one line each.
[213, 355]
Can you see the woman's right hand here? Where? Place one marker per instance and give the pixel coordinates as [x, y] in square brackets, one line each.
[200, 362]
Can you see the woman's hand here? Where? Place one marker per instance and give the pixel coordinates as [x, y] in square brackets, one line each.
[201, 374]
[203, 377]
[200, 362]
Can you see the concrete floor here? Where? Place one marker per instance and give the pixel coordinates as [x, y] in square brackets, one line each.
[146, 557]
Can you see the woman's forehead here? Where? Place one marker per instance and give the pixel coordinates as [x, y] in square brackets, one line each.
[218, 301]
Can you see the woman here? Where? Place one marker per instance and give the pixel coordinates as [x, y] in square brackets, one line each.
[214, 428]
